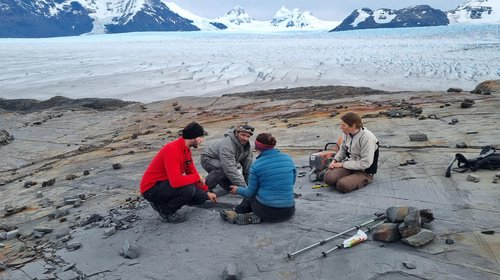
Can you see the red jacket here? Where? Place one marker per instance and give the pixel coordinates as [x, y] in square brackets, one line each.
[173, 163]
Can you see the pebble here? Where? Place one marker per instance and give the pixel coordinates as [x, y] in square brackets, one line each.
[409, 265]
[449, 241]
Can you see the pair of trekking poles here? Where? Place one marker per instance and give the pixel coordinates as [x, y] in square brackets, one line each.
[380, 219]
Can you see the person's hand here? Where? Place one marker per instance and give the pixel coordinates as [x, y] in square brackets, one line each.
[331, 165]
[334, 165]
[212, 196]
[234, 190]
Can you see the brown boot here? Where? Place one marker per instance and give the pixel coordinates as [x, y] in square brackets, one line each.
[228, 215]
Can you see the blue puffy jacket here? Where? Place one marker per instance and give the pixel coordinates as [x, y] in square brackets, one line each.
[271, 179]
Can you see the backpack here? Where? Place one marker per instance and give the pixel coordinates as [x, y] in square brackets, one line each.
[488, 159]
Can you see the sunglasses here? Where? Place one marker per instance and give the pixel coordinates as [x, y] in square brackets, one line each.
[248, 127]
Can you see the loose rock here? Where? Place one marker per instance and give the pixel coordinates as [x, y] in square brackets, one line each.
[387, 232]
[409, 265]
[117, 166]
[231, 272]
[129, 250]
[418, 137]
[423, 237]
[473, 178]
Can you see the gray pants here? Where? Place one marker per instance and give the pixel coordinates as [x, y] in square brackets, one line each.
[347, 180]
[216, 175]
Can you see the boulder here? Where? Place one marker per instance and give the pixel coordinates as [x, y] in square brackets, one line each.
[5, 137]
[387, 232]
[411, 225]
[423, 237]
[488, 87]
[398, 214]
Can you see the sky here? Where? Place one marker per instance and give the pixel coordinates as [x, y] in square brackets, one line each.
[330, 10]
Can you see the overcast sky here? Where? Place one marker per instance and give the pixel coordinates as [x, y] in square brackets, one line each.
[322, 9]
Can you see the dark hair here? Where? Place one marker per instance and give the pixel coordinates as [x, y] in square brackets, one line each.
[352, 119]
[192, 130]
[266, 139]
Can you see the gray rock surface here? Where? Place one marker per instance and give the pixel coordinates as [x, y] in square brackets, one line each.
[202, 247]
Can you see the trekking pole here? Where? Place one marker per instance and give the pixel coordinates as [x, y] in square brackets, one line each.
[291, 255]
[342, 245]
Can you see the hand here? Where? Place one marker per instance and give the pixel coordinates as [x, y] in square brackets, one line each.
[334, 165]
[212, 196]
[234, 190]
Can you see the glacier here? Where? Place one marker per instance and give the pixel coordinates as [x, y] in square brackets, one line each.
[154, 66]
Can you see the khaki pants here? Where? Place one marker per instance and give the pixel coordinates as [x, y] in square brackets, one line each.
[347, 180]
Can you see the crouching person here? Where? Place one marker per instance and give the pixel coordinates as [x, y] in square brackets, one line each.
[269, 196]
[355, 163]
[171, 179]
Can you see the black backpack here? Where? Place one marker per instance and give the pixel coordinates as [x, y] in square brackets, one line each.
[487, 159]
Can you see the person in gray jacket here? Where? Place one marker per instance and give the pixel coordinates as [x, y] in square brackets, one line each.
[221, 159]
[355, 163]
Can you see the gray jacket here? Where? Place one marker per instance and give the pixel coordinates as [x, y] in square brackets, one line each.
[357, 152]
[227, 153]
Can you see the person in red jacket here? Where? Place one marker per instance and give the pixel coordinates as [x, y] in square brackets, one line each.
[171, 179]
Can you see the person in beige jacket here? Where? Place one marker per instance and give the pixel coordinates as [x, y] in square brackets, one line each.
[355, 163]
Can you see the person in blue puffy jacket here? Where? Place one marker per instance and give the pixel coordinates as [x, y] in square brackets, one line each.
[269, 195]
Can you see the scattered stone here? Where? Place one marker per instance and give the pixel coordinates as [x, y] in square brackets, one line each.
[426, 216]
[29, 184]
[461, 145]
[10, 210]
[411, 225]
[12, 234]
[398, 214]
[134, 136]
[5, 137]
[68, 275]
[409, 265]
[453, 121]
[71, 177]
[423, 237]
[58, 214]
[39, 232]
[3, 266]
[91, 219]
[473, 178]
[129, 250]
[489, 86]
[418, 137]
[411, 161]
[296, 195]
[471, 132]
[387, 232]
[72, 246]
[109, 231]
[117, 166]
[449, 241]
[488, 232]
[86, 172]
[454, 90]
[39, 194]
[68, 267]
[48, 183]
[231, 272]
[497, 175]
[467, 103]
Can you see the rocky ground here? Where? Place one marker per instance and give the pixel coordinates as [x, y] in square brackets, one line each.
[71, 209]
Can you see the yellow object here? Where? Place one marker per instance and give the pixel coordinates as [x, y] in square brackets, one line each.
[319, 186]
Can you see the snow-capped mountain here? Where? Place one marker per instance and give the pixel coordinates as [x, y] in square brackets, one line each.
[476, 11]
[237, 16]
[47, 18]
[415, 16]
[285, 18]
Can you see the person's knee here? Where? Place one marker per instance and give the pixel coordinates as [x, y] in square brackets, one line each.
[330, 178]
[346, 186]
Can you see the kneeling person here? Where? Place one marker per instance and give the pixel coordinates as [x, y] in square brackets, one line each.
[269, 195]
[171, 179]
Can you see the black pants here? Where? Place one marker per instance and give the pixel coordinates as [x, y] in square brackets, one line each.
[168, 200]
[266, 213]
[216, 175]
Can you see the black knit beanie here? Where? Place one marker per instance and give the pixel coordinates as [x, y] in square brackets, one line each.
[192, 130]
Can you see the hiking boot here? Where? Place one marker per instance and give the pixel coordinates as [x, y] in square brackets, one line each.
[228, 215]
[174, 218]
[247, 218]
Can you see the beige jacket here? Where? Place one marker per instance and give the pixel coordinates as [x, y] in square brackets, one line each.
[357, 152]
